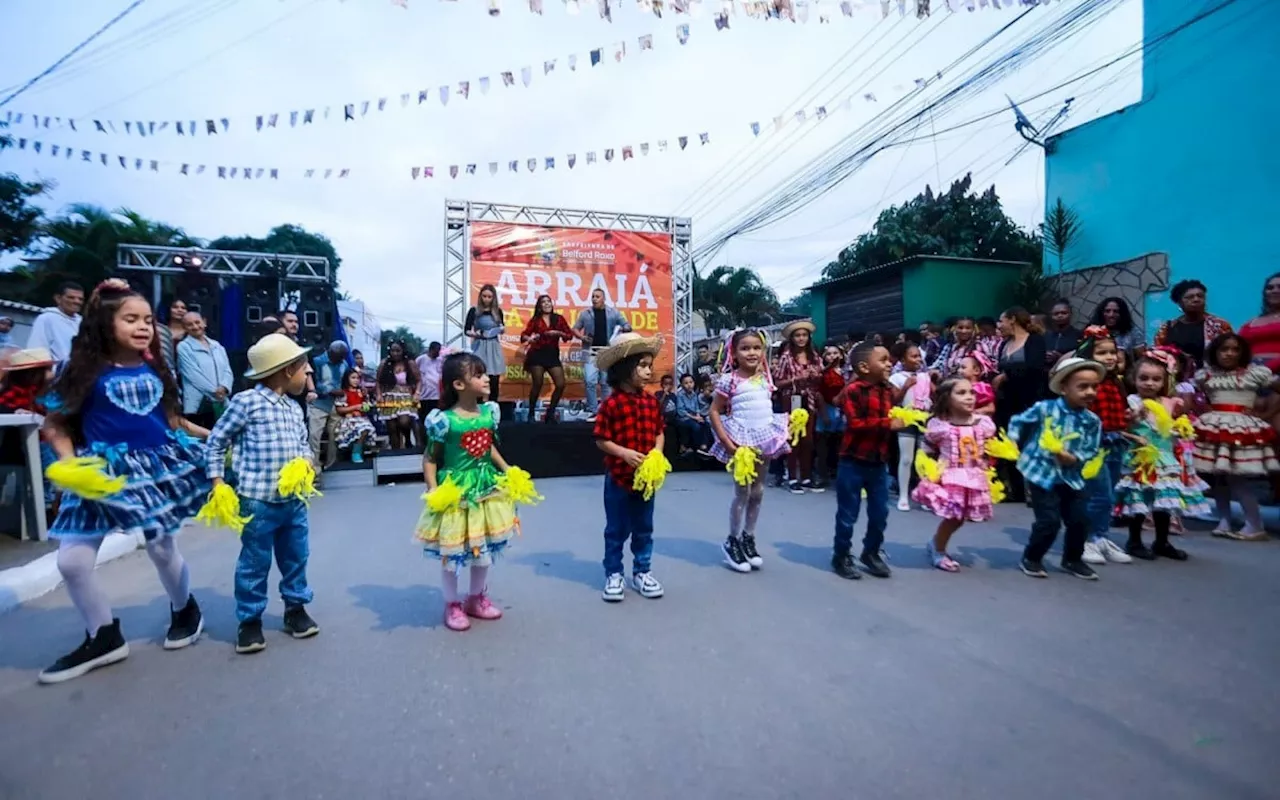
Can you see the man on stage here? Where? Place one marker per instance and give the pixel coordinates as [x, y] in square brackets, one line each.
[597, 325]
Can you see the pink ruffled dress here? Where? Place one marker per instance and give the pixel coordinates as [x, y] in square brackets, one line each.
[963, 491]
[749, 419]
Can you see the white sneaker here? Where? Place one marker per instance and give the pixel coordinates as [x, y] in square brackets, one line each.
[613, 586]
[1112, 551]
[1092, 555]
[904, 504]
[646, 585]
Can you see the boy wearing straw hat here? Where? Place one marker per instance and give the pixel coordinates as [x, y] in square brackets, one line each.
[265, 430]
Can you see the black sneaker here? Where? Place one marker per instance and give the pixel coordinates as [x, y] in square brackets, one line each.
[1166, 550]
[749, 550]
[875, 565]
[795, 487]
[105, 647]
[185, 625]
[1139, 550]
[734, 558]
[1033, 569]
[299, 623]
[249, 638]
[1080, 570]
[845, 566]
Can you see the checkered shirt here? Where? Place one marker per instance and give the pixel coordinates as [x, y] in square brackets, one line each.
[265, 431]
[866, 412]
[632, 420]
[1110, 406]
[1041, 467]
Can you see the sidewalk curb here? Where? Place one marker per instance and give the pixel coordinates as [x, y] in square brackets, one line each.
[20, 584]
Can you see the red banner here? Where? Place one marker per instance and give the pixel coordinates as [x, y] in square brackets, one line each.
[568, 264]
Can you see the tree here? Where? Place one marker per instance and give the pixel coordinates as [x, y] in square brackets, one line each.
[412, 341]
[801, 305]
[19, 220]
[731, 296]
[959, 223]
[1060, 230]
[286, 240]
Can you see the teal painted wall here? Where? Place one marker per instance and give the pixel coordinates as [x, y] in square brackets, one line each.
[935, 290]
[818, 313]
[1192, 169]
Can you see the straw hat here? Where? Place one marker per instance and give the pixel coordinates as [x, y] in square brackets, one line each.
[1070, 366]
[35, 358]
[800, 324]
[625, 345]
[272, 353]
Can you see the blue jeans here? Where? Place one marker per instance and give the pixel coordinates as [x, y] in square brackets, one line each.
[694, 434]
[1101, 491]
[852, 477]
[1055, 508]
[278, 527]
[626, 514]
[595, 380]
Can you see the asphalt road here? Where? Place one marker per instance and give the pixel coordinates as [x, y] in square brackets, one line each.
[1156, 682]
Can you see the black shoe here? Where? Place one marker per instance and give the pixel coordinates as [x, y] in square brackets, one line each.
[749, 550]
[185, 625]
[105, 647]
[875, 565]
[249, 638]
[1033, 569]
[1139, 550]
[795, 487]
[299, 623]
[845, 566]
[734, 558]
[1166, 550]
[1080, 570]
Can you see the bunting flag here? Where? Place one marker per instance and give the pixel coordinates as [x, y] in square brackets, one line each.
[799, 11]
[135, 164]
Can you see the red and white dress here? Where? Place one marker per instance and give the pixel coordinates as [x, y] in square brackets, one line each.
[1230, 438]
[963, 491]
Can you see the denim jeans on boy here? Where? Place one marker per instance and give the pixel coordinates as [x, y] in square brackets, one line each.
[626, 514]
[694, 434]
[1054, 508]
[278, 527]
[1101, 491]
[852, 476]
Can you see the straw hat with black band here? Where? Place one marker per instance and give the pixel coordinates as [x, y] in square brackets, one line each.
[800, 324]
[34, 358]
[1070, 366]
[271, 354]
[625, 345]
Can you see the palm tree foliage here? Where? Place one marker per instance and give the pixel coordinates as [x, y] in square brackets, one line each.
[727, 297]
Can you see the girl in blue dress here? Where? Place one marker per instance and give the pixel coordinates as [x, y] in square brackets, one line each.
[116, 400]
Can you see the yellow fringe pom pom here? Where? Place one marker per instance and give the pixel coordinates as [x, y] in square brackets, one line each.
[85, 477]
[1144, 457]
[998, 493]
[927, 467]
[222, 509]
[1160, 416]
[796, 424]
[445, 497]
[743, 465]
[651, 474]
[910, 416]
[517, 485]
[1093, 466]
[1002, 447]
[298, 479]
[1052, 441]
[1183, 428]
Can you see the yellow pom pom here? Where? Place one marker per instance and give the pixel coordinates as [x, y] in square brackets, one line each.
[222, 509]
[796, 425]
[1002, 447]
[998, 493]
[743, 465]
[445, 497]
[1052, 441]
[1162, 419]
[1183, 428]
[651, 474]
[910, 416]
[517, 485]
[926, 467]
[1146, 456]
[1093, 466]
[85, 477]
[298, 479]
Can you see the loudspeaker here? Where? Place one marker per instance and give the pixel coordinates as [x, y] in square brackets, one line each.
[315, 311]
[261, 299]
[201, 294]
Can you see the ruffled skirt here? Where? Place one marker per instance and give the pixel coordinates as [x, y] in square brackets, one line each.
[770, 439]
[954, 502]
[165, 486]
[1235, 443]
[1168, 488]
[352, 428]
[472, 534]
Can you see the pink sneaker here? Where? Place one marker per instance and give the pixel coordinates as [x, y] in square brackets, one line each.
[478, 606]
[455, 619]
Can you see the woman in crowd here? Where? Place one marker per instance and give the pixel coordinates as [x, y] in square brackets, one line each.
[484, 325]
[1263, 331]
[172, 331]
[1113, 314]
[1060, 336]
[542, 337]
[397, 386]
[1022, 379]
[964, 342]
[1196, 327]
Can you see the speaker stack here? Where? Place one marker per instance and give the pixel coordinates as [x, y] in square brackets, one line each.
[315, 313]
[200, 293]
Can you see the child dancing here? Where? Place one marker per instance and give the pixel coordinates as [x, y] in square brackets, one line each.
[797, 376]
[1057, 437]
[628, 429]
[116, 401]
[912, 387]
[355, 430]
[959, 435]
[974, 369]
[266, 430]
[1098, 346]
[1157, 481]
[830, 424]
[742, 416]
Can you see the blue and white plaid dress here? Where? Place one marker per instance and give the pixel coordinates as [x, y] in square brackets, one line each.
[124, 421]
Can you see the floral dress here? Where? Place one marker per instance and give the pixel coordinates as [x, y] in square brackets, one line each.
[1230, 438]
[963, 491]
[482, 524]
[1168, 485]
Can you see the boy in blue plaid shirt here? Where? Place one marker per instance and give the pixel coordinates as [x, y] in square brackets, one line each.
[1055, 483]
[265, 429]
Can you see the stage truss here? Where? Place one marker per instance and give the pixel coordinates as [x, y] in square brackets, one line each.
[459, 214]
[233, 264]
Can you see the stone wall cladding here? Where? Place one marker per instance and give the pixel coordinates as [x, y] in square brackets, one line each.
[1132, 280]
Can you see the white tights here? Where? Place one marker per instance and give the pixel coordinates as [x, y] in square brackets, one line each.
[449, 579]
[906, 463]
[76, 562]
[745, 508]
[1235, 486]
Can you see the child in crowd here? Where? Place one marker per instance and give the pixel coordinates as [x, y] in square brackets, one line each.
[1109, 405]
[975, 368]
[461, 451]
[864, 460]
[830, 424]
[743, 415]
[26, 375]
[1157, 480]
[628, 427]
[115, 399]
[355, 430]
[912, 388]
[1232, 443]
[958, 435]
[1057, 437]
[265, 430]
[693, 412]
[797, 373]
[666, 397]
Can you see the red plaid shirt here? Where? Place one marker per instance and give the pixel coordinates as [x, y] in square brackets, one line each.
[1110, 406]
[866, 413]
[832, 384]
[632, 420]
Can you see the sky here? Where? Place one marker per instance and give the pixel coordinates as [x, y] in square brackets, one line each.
[198, 59]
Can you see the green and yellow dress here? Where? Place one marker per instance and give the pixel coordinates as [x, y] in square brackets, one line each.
[482, 524]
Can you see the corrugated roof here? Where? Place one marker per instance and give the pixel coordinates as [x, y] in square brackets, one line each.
[14, 304]
[904, 261]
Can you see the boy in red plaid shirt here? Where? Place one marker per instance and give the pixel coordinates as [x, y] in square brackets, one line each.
[1111, 407]
[629, 426]
[864, 459]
